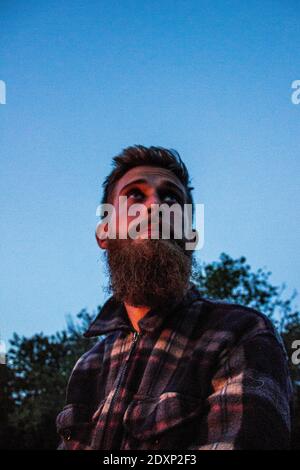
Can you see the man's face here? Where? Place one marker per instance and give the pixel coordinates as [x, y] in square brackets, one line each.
[145, 271]
[147, 186]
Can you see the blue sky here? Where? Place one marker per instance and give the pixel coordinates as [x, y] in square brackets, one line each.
[87, 78]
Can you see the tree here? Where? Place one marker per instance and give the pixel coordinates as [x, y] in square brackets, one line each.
[232, 280]
[38, 371]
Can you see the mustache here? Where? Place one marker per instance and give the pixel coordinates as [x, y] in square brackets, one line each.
[164, 229]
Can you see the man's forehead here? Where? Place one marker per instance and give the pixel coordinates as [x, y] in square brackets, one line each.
[151, 174]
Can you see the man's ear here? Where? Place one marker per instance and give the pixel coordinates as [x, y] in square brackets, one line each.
[101, 234]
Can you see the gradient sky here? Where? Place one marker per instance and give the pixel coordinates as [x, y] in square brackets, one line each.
[86, 79]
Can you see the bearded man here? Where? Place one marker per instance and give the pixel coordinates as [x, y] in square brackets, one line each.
[171, 369]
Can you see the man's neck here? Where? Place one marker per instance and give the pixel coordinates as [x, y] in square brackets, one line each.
[135, 314]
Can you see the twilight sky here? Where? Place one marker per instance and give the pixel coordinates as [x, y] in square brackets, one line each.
[85, 79]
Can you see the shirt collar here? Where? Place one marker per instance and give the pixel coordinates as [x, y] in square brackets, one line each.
[113, 315]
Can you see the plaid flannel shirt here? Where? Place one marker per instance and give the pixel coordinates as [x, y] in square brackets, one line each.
[203, 375]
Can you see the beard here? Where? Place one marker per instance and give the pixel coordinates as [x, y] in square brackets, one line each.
[148, 272]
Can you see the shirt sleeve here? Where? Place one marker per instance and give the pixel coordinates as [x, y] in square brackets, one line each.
[250, 401]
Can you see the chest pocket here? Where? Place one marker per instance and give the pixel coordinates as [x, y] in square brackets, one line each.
[169, 421]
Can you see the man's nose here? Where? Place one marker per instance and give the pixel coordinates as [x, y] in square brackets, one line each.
[153, 199]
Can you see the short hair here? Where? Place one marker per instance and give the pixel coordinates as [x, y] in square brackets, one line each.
[138, 155]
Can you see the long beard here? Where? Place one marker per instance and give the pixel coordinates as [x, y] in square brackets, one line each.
[148, 272]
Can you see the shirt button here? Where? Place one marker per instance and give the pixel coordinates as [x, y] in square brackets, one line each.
[67, 434]
[156, 441]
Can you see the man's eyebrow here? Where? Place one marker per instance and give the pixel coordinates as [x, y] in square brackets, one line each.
[163, 184]
[170, 184]
[138, 181]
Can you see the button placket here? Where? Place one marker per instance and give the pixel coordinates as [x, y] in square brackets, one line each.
[67, 434]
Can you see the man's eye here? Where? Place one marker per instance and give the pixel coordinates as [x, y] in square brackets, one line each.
[170, 198]
[135, 194]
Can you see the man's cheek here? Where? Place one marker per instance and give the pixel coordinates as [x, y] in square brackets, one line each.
[122, 231]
